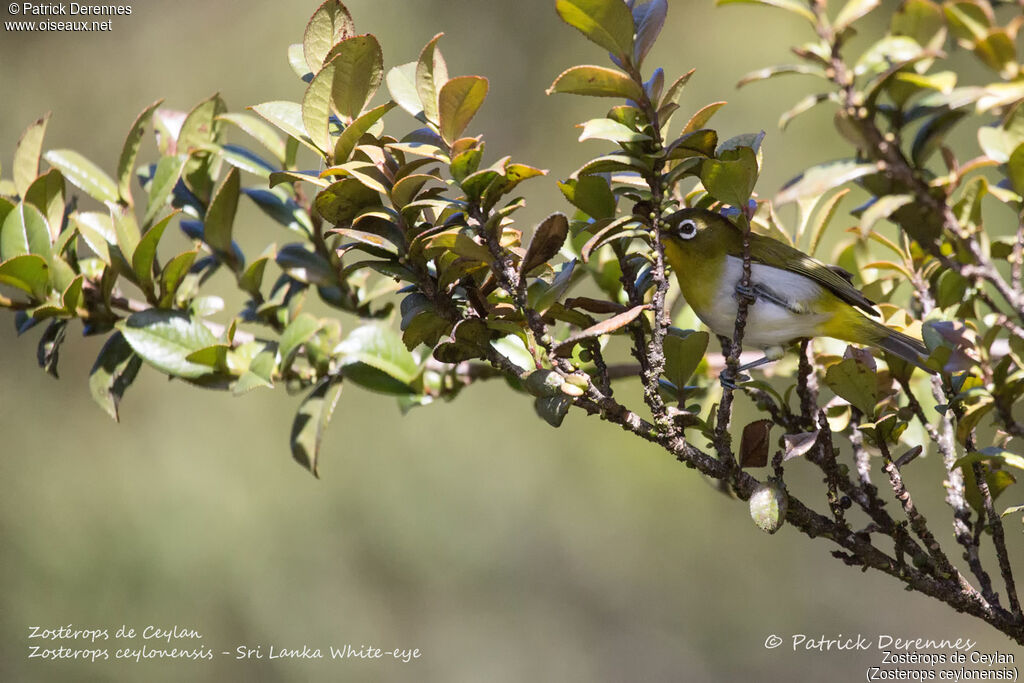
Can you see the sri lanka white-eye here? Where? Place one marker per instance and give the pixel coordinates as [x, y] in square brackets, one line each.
[792, 295]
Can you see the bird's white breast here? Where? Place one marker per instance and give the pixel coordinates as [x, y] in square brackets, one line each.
[768, 324]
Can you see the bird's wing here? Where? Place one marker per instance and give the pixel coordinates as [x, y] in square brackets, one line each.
[773, 253]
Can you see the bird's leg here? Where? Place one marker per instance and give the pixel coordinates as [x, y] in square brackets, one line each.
[728, 379]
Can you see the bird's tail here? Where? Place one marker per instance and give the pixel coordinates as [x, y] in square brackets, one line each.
[897, 343]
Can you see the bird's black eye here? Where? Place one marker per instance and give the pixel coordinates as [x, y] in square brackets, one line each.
[687, 229]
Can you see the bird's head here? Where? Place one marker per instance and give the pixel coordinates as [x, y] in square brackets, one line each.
[698, 231]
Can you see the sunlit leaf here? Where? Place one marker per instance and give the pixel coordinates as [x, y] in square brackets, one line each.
[130, 151]
[607, 23]
[358, 71]
[329, 24]
[794, 6]
[458, 101]
[818, 180]
[165, 338]
[26, 154]
[83, 174]
[113, 372]
[431, 74]
[597, 81]
[311, 421]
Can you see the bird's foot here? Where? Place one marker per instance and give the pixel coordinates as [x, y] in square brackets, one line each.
[744, 292]
[728, 380]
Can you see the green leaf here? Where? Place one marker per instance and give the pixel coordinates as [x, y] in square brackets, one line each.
[252, 278]
[695, 143]
[130, 151]
[200, 130]
[311, 421]
[675, 90]
[297, 61]
[172, 275]
[164, 339]
[24, 231]
[818, 180]
[145, 253]
[968, 21]
[890, 50]
[279, 177]
[113, 372]
[793, 6]
[882, 208]
[358, 71]
[98, 232]
[282, 208]
[999, 141]
[591, 195]
[997, 480]
[852, 11]
[597, 81]
[613, 131]
[823, 218]
[431, 74]
[683, 353]
[457, 104]
[379, 347]
[649, 18]
[552, 409]
[972, 417]
[259, 374]
[731, 178]
[288, 117]
[316, 108]
[330, 23]
[26, 154]
[931, 134]
[918, 19]
[245, 160]
[546, 242]
[701, 118]
[405, 190]
[83, 174]
[780, 70]
[126, 229]
[342, 200]
[1015, 169]
[27, 272]
[305, 266]
[855, 382]
[607, 23]
[349, 137]
[381, 246]
[1012, 510]
[220, 217]
[804, 105]
[299, 331]
[215, 357]
[48, 350]
[259, 131]
[165, 177]
[46, 193]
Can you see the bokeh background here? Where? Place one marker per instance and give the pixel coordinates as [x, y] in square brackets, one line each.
[502, 549]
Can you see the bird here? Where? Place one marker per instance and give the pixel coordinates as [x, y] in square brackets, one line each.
[791, 295]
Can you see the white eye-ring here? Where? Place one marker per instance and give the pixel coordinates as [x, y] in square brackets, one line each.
[687, 229]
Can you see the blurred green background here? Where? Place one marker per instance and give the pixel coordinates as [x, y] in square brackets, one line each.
[501, 548]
